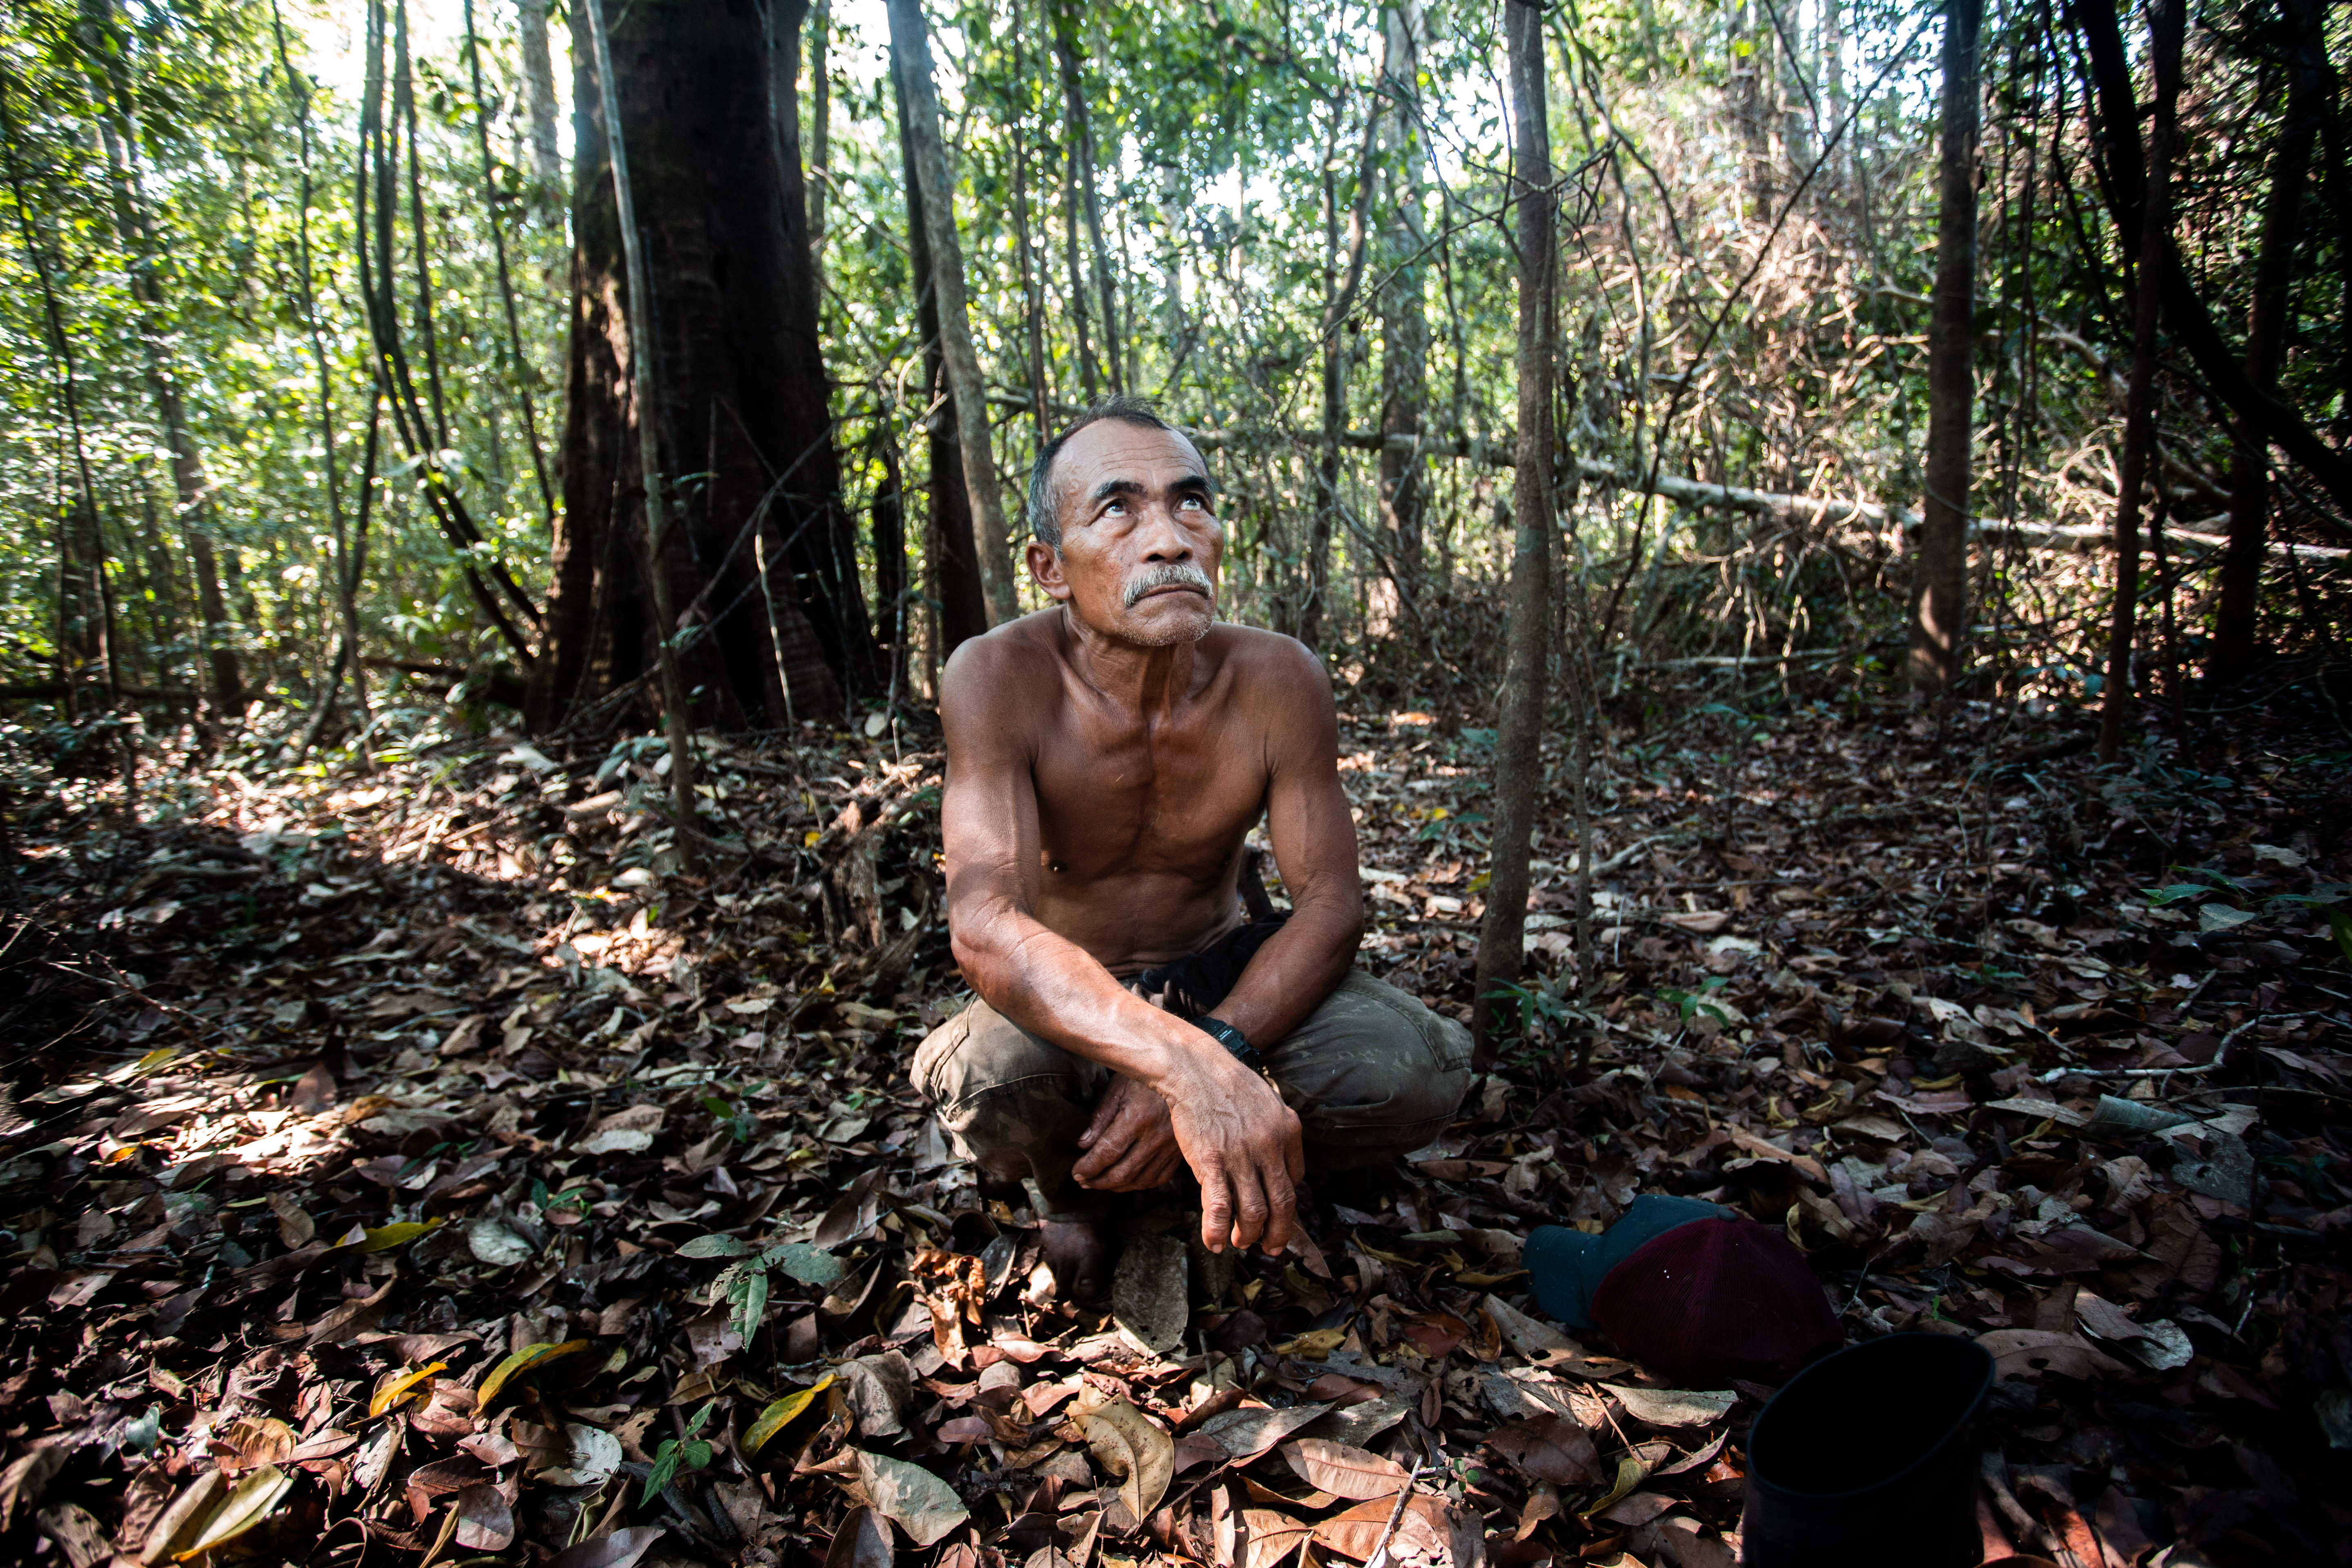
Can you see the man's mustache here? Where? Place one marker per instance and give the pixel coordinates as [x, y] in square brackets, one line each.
[1174, 573]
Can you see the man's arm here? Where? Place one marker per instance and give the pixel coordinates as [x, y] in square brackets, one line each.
[1314, 835]
[1239, 1137]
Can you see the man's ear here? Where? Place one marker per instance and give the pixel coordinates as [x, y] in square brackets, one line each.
[1045, 566]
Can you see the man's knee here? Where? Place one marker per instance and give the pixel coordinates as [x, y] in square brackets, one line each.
[1372, 1073]
[1014, 1103]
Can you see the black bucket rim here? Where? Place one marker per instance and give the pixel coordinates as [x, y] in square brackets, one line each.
[1968, 1412]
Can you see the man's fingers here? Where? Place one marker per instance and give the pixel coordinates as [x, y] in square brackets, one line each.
[1249, 1206]
[1294, 1150]
[1216, 1209]
[1282, 1213]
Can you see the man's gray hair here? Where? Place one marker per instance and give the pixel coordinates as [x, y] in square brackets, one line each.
[1045, 511]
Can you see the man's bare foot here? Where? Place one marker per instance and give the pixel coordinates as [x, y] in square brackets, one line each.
[1077, 1248]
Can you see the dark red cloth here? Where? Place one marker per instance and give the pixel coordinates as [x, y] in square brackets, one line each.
[1715, 1300]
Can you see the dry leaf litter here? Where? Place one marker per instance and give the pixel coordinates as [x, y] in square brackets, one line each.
[423, 1168]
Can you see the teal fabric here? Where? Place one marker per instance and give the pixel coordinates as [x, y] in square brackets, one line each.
[1566, 1266]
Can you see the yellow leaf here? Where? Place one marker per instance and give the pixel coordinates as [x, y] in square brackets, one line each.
[243, 1509]
[1632, 1471]
[384, 1237]
[779, 1416]
[528, 1358]
[152, 1060]
[401, 1387]
[1321, 1342]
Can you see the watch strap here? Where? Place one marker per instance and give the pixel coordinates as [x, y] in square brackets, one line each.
[1237, 1044]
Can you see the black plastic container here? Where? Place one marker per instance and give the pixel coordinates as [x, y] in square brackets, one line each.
[1870, 1456]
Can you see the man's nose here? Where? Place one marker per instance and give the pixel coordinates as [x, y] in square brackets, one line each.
[1164, 538]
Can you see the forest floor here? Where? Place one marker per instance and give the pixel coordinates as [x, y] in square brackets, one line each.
[422, 1167]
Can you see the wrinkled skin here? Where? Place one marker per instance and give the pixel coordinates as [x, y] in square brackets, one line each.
[1104, 759]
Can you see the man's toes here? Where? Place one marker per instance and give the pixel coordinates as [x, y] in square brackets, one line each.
[1079, 1255]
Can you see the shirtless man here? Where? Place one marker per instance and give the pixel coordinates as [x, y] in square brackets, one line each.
[1105, 758]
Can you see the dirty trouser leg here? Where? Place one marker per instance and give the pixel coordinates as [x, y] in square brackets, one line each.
[1015, 1104]
[1372, 1074]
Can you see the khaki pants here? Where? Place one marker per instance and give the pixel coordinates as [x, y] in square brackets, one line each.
[1372, 1073]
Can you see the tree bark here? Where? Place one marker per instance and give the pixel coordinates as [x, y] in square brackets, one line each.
[1939, 594]
[1405, 319]
[960, 607]
[710, 121]
[1518, 739]
[911, 50]
[2167, 20]
[2266, 325]
[645, 400]
[538, 95]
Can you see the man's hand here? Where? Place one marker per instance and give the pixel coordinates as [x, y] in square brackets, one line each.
[1243, 1143]
[1129, 1145]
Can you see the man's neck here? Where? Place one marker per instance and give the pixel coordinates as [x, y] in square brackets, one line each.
[1140, 677]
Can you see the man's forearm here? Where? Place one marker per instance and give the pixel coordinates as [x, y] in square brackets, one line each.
[1060, 992]
[1289, 976]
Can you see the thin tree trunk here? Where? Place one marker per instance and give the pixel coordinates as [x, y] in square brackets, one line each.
[820, 124]
[959, 606]
[1342, 278]
[1032, 290]
[82, 547]
[346, 574]
[349, 564]
[2166, 25]
[889, 515]
[538, 97]
[375, 206]
[912, 46]
[1939, 593]
[403, 107]
[1518, 739]
[1088, 201]
[1090, 373]
[645, 401]
[110, 84]
[519, 363]
[2266, 327]
[1405, 319]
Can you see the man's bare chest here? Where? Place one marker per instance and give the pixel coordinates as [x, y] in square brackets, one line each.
[1172, 792]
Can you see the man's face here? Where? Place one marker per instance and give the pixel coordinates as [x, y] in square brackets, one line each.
[1140, 541]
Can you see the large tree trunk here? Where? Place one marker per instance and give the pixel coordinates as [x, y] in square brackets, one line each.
[959, 606]
[1518, 739]
[1405, 319]
[713, 143]
[910, 53]
[2166, 24]
[2250, 460]
[1939, 594]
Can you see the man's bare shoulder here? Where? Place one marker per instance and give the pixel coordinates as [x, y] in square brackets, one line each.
[1271, 666]
[998, 670]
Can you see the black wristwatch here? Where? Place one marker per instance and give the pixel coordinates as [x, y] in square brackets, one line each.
[1237, 1044]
